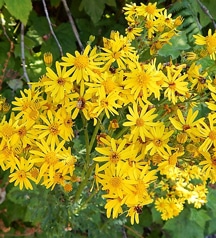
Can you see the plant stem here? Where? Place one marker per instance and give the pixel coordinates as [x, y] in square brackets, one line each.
[84, 182]
[86, 140]
[95, 132]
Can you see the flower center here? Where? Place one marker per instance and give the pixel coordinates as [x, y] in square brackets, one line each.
[139, 122]
[22, 131]
[51, 158]
[211, 41]
[172, 85]
[212, 135]
[150, 9]
[61, 81]
[54, 129]
[21, 174]
[114, 158]
[104, 103]
[158, 142]
[81, 62]
[142, 79]
[115, 182]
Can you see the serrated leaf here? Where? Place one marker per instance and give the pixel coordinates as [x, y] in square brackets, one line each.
[20, 9]
[178, 44]
[1, 3]
[199, 216]
[181, 226]
[93, 8]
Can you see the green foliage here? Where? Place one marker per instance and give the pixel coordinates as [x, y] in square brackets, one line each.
[55, 210]
[20, 9]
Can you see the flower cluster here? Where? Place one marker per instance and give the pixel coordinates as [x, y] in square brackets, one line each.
[152, 144]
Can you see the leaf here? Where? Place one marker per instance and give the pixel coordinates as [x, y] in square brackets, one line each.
[1, 3]
[199, 216]
[181, 226]
[178, 44]
[15, 84]
[93, 8]
[20, 9]
[111, 3]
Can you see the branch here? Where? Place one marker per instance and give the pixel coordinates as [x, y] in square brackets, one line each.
[23, 56]
[50, 26]
[72, 24]
[206, 11]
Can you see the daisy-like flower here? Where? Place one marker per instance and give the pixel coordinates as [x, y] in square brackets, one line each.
[149, 11]
[140, 121]
[107, 103]
[83, 66]
[116, 181]
[175, 84]
[188, 125]
[209, 165]
[49, 128]
[208, 41]
[112, 154]
[22, 174]
[208, 131]
[159, 139]
[48, 156]
[59, 83]
[143, 81]
[113, 206]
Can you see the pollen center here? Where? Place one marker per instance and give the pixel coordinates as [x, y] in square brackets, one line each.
[115, 182]
[139, 122]
[158, 142]
[21, 174]
[212, 135]
[61, 81]
[54, 129]
[81, 62]
[142, 79]
[7, 131]
[150, 9]
[114, 158]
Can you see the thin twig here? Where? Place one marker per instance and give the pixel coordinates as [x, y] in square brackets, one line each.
[23, 55]
[206, 11]
[72, 24]
[51, 28]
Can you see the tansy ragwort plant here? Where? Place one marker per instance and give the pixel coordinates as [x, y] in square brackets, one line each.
[149, 143]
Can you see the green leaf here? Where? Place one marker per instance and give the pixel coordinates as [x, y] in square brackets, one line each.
[199, 216]
[178, 44]
[20, 9]
[1, 3]
[93, 8]
[111, 3]
[15, 84]
[181, 226]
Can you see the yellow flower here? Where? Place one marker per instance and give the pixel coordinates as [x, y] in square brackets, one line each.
[107, 103]
[209, 42]
[159, 139]
[143, 82]
[47, 157]
[175, 84]
[116, 181]
[188, 125]
[59, 83]
[208, 132]
[113, 206]
[140, 121]
[22, 174]
[112, 154]
[83, 66]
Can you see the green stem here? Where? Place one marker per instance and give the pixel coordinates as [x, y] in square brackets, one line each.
[94, 135]
[123, 130]
[84, 182]
[86, 140]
